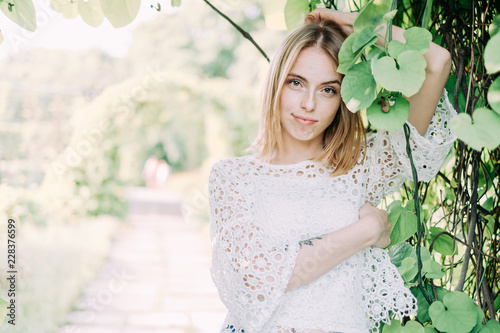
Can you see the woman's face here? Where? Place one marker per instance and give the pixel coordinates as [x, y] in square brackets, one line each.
[310, 98]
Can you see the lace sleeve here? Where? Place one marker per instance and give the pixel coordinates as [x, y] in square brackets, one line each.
[251, 275]
[389, 164]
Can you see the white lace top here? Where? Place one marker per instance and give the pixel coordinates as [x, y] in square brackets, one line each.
[260, 212]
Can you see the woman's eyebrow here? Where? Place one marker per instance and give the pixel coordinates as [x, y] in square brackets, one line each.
[304, 79]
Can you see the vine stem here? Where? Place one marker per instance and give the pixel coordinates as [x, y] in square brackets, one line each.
[464, 243]
[243, 32]
[416, 201]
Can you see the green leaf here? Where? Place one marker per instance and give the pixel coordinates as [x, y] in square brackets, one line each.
[494, 95]
[91, 12]
[3, 310]
[417, 39]
[422, 304]
[176, 3]
[359, 88]
[456, 314]
[432, 269]
[408, 269]
[407, 79]
[492, 326]
[492, 55]
[365, 37]
[429, 329]
[120, 12]
[347, 58]
[68, 8]
[410, 327]
[23, 13]
[497, 302]
[399, 252]
[479, 320]
[295, 13]
[444, 243]
[373, 14]
[495, 26]
[391, 120]
[482, 133]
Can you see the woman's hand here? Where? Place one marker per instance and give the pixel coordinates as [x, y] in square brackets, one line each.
[376, 223]
[344, 20]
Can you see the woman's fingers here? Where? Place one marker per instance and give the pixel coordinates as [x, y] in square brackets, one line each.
[377, 221]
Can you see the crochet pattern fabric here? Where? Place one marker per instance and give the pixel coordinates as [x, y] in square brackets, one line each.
[260, 212]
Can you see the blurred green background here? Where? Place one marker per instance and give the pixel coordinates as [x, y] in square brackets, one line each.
[77, 126]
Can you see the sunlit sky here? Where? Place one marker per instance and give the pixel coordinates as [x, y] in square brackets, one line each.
[54, 31]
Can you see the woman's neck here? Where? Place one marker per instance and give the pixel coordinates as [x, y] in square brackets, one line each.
[297, 153]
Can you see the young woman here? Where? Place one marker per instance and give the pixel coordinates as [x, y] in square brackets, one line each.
[297, 243]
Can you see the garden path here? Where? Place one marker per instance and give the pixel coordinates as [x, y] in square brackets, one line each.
[156, 277]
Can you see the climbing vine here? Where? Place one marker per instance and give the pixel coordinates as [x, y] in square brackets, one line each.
[446, 235]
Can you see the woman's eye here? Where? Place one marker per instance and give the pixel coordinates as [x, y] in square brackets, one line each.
[294, 83]
[330, 90]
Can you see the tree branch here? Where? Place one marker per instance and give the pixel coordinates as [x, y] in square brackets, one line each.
[243, 32]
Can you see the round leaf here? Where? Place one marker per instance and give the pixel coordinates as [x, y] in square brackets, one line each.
[359, 88]
[495, 26]
[392, 120]
[399, 252]
[422, 304]
[373, 14]
[22, 13]
[494, 95]
[444, 243]
[295, 13]
[479, 320]
[365, 37]
[68, 8]
[432, 269]
[408, 269]
[492, 55]
[410, 327]
[456, 314]
[404, 227]
[120, 12]
[492, 326]
[482, 133]
[417, 39]
[347, 58]
[91, 12]
[408, 78]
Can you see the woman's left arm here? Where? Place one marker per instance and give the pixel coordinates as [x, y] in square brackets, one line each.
[422, 104]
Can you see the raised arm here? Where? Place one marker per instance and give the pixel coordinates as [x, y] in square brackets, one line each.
[422, 104]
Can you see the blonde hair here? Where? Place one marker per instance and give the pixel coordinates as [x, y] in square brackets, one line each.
[345, 138]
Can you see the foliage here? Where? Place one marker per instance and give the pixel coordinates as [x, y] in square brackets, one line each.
[460, 208]
[118, 12]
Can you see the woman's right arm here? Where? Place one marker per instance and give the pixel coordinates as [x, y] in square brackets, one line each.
[319, 255]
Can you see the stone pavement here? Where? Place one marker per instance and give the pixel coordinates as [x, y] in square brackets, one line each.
[156, 278]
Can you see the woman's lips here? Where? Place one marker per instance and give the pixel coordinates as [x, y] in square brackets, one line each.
[304, 121]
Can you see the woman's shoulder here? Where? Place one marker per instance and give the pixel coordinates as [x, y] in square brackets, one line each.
[234, 166]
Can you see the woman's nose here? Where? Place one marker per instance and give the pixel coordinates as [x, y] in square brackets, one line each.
[308, 101]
